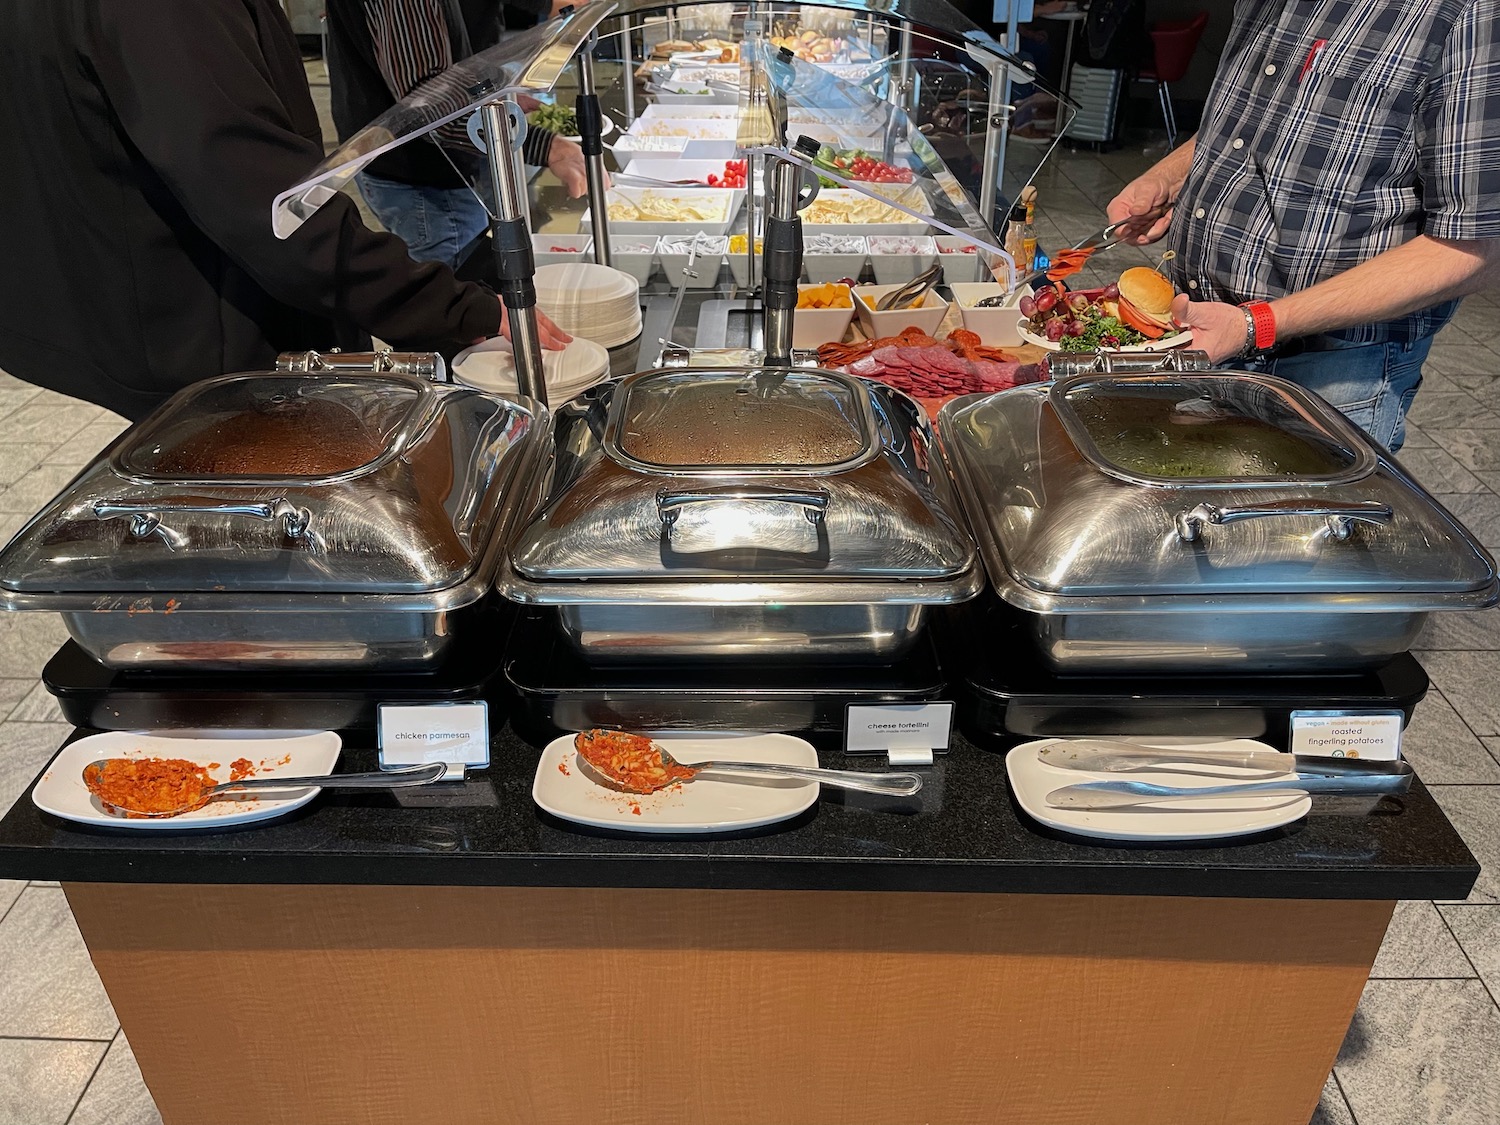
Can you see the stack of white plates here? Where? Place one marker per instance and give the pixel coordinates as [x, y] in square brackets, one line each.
[591, 301]
[491, 367]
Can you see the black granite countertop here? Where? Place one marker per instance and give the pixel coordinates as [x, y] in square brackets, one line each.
[963, 832]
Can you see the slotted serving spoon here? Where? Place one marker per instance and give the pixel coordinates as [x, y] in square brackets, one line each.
[384, 779]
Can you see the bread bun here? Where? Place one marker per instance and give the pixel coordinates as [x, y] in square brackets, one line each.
[1148, 291]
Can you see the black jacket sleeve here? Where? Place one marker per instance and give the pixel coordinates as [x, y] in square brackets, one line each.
[195, 86]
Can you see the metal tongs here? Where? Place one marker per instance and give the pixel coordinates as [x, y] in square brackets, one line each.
[1101, 239]
[912, 292]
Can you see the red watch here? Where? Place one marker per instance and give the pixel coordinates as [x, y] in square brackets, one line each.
[1265, 324]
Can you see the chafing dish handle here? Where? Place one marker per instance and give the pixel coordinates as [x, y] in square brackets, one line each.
[1340, 518]
[669, 504]
[145, 516]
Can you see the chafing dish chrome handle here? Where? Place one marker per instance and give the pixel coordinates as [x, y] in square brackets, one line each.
[145, 517]
[425, 365]
[1340, 518]
[669, 504]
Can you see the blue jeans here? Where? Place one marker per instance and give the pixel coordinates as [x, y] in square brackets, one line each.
[437, 224]
[1371, 384]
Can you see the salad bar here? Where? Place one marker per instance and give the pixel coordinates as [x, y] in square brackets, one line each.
[859, 597]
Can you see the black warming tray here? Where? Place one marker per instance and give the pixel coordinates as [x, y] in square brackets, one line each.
[94, 696]
[558, 691]
[1004, 690]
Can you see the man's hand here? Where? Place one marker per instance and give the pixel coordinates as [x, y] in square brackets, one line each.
[565, 159]
[1218, 329]
[1145, 205]
[553, 338]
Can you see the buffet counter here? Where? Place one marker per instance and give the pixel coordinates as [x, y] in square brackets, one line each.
[878, 960]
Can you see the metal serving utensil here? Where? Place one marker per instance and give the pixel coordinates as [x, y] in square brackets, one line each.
[910, 293]
[1101, 239]
[384, 779]
[1102, 756]
[891, 784]
[1123, 794]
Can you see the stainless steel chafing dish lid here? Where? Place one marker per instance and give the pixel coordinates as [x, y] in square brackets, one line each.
[251, 485]
[1225, 490]
[749, 473]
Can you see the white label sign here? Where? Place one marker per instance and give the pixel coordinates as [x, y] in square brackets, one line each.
[1331, 734]
[897, 726]
[457, 733]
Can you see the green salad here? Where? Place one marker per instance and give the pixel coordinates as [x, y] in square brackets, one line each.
[557, 118]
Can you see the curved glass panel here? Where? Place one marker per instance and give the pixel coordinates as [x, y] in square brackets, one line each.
[875, 168]
[528, 61]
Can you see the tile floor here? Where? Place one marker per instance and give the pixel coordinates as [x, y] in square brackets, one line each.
[1424, 1045]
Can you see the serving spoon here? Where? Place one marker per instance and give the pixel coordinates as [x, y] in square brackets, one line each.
[383, 779]
[891, 784]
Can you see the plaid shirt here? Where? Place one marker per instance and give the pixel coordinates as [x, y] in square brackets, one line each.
[1314, 158]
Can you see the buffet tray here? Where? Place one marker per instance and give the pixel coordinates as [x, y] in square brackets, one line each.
[94, 696]
[558, 691]
[1007, 690]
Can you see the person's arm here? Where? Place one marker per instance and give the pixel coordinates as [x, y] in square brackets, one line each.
[1415, 275]
[213, 128]
[1457, 127]
[1146, 202]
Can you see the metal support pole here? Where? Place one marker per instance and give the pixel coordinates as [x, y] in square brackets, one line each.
[627, 53]
[511, 241]
[783, 259]
[590, 130]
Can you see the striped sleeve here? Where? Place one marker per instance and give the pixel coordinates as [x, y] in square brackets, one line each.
[1458, 130]
[414, 46]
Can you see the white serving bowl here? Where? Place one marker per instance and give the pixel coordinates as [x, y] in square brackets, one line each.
[959, 265]
[719, 207]
[544, 248]
[811, 327]
[899, 258]
[634, 254]
[740, 267]
[821, 266]
[995, 326]
[927, 316]
[674, 260]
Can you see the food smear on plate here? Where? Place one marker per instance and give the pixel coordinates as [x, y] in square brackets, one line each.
[137, 787]
[241, 768]
[632, 762]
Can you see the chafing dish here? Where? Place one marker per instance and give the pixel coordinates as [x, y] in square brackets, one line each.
[1203, 523]
[746, 513]
[283, 520]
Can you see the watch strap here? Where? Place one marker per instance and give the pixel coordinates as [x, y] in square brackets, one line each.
[1264, 322]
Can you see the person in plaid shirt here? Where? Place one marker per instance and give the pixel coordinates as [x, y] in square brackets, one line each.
[1342, 194]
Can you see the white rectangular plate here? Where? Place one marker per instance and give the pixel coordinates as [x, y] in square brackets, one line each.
[1208, 818]
[701, 805]
[61, 791]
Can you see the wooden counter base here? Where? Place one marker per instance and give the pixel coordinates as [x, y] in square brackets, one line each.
[339, 1005]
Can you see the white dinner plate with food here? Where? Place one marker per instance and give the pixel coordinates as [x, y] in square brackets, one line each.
[1166, 343]
[1205, 818]
[61, 791]
[564, 787]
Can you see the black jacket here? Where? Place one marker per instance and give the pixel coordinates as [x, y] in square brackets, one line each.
[146, 140]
